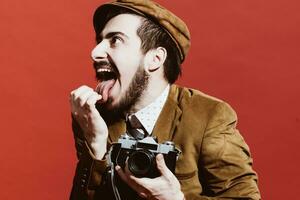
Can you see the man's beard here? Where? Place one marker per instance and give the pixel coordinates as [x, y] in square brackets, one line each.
[135, 90]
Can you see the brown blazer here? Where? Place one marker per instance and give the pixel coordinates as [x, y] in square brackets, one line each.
[215, 162]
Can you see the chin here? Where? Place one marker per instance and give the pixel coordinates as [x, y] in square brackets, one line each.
[110, 111]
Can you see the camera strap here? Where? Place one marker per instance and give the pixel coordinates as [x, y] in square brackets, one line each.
[112, 179]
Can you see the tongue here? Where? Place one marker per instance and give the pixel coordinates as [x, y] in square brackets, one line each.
[104, 88]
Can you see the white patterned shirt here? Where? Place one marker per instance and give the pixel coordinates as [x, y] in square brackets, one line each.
[149, 115]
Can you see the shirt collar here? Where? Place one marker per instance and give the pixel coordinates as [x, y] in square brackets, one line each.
[149, 114]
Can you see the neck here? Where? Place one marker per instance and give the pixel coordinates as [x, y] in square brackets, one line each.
[155, 88]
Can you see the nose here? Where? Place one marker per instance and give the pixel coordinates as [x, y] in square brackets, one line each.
[99, 52]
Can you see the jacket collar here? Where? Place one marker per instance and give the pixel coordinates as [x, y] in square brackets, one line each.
[165, 125]
[168, 118]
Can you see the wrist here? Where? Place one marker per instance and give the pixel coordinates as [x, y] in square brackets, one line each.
[99, 145]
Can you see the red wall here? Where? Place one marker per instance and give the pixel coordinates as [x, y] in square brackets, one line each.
[245, 52]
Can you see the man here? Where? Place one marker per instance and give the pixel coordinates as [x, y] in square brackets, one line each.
[140, 46]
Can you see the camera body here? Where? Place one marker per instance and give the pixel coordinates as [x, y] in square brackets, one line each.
[140, 155]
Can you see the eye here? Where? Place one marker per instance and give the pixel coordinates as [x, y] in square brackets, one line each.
[115, 40]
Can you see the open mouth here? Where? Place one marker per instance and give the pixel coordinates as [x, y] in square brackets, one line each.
[105, 71]
[104, 74]
[107, 76]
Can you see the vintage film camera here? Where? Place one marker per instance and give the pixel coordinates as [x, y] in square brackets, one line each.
[140, 155]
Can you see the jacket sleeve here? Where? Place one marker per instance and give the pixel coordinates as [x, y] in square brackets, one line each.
[225, 166]
[89, 171]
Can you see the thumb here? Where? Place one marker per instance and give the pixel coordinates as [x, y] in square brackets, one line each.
[92, 100]
[161, 165]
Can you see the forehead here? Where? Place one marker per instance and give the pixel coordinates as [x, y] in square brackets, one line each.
[125, 23]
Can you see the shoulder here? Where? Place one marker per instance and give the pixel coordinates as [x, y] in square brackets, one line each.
[198, 101]
[190, 95]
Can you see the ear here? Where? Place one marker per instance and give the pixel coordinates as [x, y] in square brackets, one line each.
[155, 59]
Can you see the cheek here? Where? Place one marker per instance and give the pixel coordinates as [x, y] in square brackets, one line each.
[126, 77]
[127, 67]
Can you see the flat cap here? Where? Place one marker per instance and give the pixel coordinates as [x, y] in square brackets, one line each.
[172, 24]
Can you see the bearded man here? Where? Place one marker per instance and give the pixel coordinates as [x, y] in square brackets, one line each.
[140, 46]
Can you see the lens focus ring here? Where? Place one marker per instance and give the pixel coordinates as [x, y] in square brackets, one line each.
[140, 162]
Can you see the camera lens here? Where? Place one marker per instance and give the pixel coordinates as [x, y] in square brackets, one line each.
[141, 162]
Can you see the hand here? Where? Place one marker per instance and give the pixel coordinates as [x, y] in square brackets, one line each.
[164, 187]
[83, 109]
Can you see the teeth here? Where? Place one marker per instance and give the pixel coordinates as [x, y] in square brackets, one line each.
[104, 74]
[104, 70]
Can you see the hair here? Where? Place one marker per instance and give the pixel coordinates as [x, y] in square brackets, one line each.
[152, 35]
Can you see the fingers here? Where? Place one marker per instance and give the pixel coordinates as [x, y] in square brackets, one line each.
[132, 181]
[83, 98]
[74, 98]
[165, 186]
[126, 176]
[76, 93]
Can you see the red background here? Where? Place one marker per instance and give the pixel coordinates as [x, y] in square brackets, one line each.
[245, 52]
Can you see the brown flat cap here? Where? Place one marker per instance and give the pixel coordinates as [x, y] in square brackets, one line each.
[173, 25]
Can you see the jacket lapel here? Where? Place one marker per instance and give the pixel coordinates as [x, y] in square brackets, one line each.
[169, 117]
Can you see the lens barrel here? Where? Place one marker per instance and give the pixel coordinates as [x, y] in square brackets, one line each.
[141, 162]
